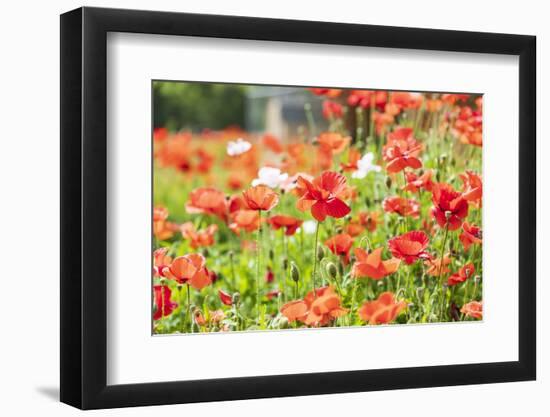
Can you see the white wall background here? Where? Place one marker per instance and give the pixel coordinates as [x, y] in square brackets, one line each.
[29, 164]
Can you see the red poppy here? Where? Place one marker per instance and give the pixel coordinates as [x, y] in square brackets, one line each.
[332, 109]
[260, 197]
[199, 238]
[163, 306]
[160, 134]
[372, 266]
[225, 298]
[410, 247]
[415, 182]
[272, 294]
[269, 276]
[320, 196]
[462, 275]
[291, 224]
[247, 220]
[468, 126]
[205, 161]
[295, 310]
[473, 309]
[191, 269]
[340, 245]
[449, 208]
[175, 152]
[383, 310]
[207, 200]
[329, 92]
[366, 98]
[472, 187]
[401, 150]
[402, 206]
[471, 235]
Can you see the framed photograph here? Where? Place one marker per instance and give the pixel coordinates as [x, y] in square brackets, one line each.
[258, 208]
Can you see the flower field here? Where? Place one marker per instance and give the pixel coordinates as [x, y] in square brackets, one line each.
[369, 213]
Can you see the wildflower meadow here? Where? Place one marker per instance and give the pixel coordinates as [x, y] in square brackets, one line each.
[336, 208]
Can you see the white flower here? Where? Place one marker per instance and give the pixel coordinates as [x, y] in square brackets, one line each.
[309, 227]
[364, 166]
[238, 147]
[272, 177]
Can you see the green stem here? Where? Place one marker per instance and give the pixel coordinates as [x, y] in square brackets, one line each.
[315, 257]
[258, 260]
[189, 309]
[441, 254]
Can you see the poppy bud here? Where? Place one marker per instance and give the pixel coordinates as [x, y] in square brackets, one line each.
[437, 176]
[236, 298]
[367, 201]
[271, 254]
[341, 268]
[443, 159]
[205, 252]
[285, 264]
[294, 272]
[388, 182]
[477, 279]
[320, 253]
[332, 271]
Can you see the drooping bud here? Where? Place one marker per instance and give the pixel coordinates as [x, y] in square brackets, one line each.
[294, 272]
[332, 270]
[320, 253]
[388, 182]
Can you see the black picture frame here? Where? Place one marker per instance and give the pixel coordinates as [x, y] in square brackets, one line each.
[84, 207]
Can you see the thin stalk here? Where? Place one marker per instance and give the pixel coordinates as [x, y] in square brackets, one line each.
[441, 254]
[315, 257]
[258, 260]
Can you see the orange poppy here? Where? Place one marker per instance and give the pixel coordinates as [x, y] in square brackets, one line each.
[434, 105]
[260, 197]
[291, 224]
[272, 143]
[402, 206]
[472, 187]
[295, 310]
[468, 126]
[383, 310]
[449, 208]
[320, 195]
[410, 246]
[353, 158]
[415, 183]
[316, 309]
[462, 275]
[473, 309]
[405, 100]
[198, 238]
[354, 228]
[160, 134]
[438, 266]
[175, 152]
[471, 235]
[365, 98]
[162, 229]
[340, 245]
[161, 261]
[401, 150]
[191, 269]
[247, 220]
[372, 266]
[207, 200]
[370, 220]
[333, 143]
[235, 181]
[163, 305]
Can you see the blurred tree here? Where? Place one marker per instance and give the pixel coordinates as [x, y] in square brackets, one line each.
[192, 105]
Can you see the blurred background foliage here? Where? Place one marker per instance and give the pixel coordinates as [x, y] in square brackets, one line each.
[179, 105]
